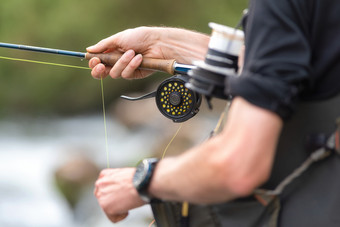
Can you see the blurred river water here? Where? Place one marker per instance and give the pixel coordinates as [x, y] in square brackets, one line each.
[32, 149]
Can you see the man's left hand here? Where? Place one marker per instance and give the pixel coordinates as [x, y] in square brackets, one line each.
[116, 194]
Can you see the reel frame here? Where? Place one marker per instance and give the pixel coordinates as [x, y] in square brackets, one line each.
[173, 99]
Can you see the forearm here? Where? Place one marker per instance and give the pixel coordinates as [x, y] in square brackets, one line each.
[181, 44]
[230, 165]
[190, 177]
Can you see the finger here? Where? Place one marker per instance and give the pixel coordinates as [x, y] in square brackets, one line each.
[118, 218]
[121, 64]
[103, 45]
[131, 68]
[93, 62]
[105, 172]
[100, 71]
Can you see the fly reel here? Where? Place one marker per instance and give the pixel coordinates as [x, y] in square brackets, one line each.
[210, 76]
[173, 99]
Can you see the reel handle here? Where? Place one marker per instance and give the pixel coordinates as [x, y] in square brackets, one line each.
[147, 63]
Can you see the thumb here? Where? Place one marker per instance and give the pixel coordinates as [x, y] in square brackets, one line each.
[97, 48]
[103, 45]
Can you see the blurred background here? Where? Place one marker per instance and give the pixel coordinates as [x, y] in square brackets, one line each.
[52, 142]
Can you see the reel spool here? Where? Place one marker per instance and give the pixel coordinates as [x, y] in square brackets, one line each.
[221, 61]
[173, 99]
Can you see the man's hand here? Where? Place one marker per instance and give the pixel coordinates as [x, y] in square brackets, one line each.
[150, 42]
[128, 43]
[116, 194]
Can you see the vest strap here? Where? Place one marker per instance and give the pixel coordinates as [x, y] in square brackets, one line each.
[337, 136]
[331, 146]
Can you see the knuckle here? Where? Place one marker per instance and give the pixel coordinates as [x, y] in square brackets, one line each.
[114, 73]
[103, 172]
[124, 60]
[93, 62]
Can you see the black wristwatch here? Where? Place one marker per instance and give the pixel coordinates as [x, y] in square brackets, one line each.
[142, 177]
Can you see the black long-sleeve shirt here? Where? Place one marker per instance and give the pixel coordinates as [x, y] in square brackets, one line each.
[292, 66]
[292, 54]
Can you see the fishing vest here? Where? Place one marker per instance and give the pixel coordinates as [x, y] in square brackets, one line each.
[304, 187]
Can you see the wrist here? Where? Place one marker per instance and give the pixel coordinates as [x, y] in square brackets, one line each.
[183, 45]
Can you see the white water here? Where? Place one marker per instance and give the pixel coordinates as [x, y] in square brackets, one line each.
[32, 149]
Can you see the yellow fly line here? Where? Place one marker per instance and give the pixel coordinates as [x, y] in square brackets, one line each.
[76, 67]
[105, 130]
[185, 206]
[44, 63]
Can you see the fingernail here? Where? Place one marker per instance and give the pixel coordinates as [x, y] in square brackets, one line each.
[90, 47]
[99, 70]
[130, 53]
[138, 57]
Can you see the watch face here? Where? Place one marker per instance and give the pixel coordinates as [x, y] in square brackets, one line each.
[140, 174]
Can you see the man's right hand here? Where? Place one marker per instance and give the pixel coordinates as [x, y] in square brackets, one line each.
[150, 42]
[127, 43]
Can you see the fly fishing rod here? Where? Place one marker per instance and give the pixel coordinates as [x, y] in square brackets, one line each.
[169, 66]
[173, 99]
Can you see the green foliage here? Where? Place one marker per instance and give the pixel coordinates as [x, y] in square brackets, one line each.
[27, 88]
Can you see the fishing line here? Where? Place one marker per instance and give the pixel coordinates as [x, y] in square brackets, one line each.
[163, 155]
[104, 116]
[76, 67]
[185, 204]
[172, 139]
[44, 63]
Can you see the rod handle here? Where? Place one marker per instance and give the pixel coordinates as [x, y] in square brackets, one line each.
[147, 63]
